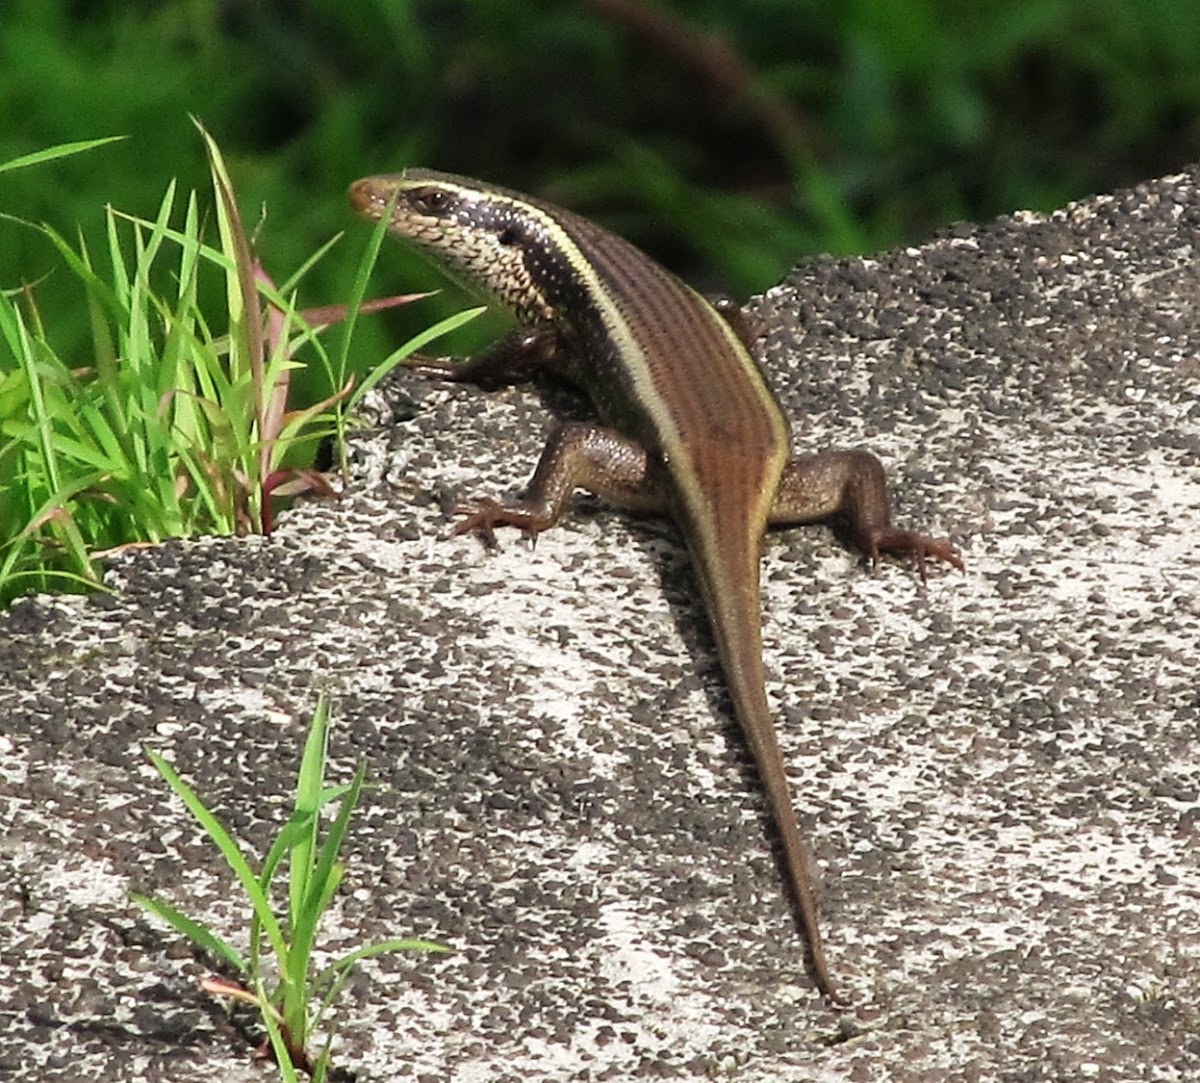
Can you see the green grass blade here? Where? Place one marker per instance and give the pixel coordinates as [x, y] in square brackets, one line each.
[299, 422]
[283, 1058]
[102, 308]
[417, 342]
[229, 850]
[60, 150]
[337, 973]
[309, 784]
[42, 579]
[298, 825]
[321, 1068]
[379, 947]
[196, 932]
[208, 252]
[358, 290]
[331, 847]
[293, 280]
[85, 455]
[323, 881]
[37, 401]
[118, 266]
[98, 425]
[293, 833]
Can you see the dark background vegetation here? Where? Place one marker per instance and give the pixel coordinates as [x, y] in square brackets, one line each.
[729, 138]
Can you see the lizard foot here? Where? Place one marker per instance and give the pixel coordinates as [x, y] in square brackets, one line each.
[921, 546]
[485, 514]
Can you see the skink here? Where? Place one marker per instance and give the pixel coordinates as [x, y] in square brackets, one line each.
[689, 427]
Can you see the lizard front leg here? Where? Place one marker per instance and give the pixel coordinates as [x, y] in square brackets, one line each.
[577, 456]
[516, 353]
[851, 485]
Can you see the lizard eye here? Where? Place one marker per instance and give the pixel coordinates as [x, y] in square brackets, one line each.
[430, 200]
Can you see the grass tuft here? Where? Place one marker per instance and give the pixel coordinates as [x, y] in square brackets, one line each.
[178, 424]
[293, 1000]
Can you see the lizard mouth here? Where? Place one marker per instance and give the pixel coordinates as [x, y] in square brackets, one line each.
[369, 197]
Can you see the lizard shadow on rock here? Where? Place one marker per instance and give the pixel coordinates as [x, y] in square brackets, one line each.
[662, 543]
[564, 403]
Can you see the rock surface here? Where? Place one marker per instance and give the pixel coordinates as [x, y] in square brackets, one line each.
[999, 771]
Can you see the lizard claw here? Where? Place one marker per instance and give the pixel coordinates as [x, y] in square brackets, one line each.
[480, 520]
[921, 546]
[486, 514]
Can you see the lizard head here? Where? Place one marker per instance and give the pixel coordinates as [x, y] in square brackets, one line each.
[492, 241]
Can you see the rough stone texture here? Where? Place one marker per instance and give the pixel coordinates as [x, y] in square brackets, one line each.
[999, 771]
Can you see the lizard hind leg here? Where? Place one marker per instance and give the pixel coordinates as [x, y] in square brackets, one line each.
[852, 485]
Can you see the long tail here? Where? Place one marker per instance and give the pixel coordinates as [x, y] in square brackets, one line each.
[726, 563]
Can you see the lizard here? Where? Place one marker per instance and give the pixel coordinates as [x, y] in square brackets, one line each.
[688, 426]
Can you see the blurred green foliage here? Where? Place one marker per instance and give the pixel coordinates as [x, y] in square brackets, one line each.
[730, 139]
